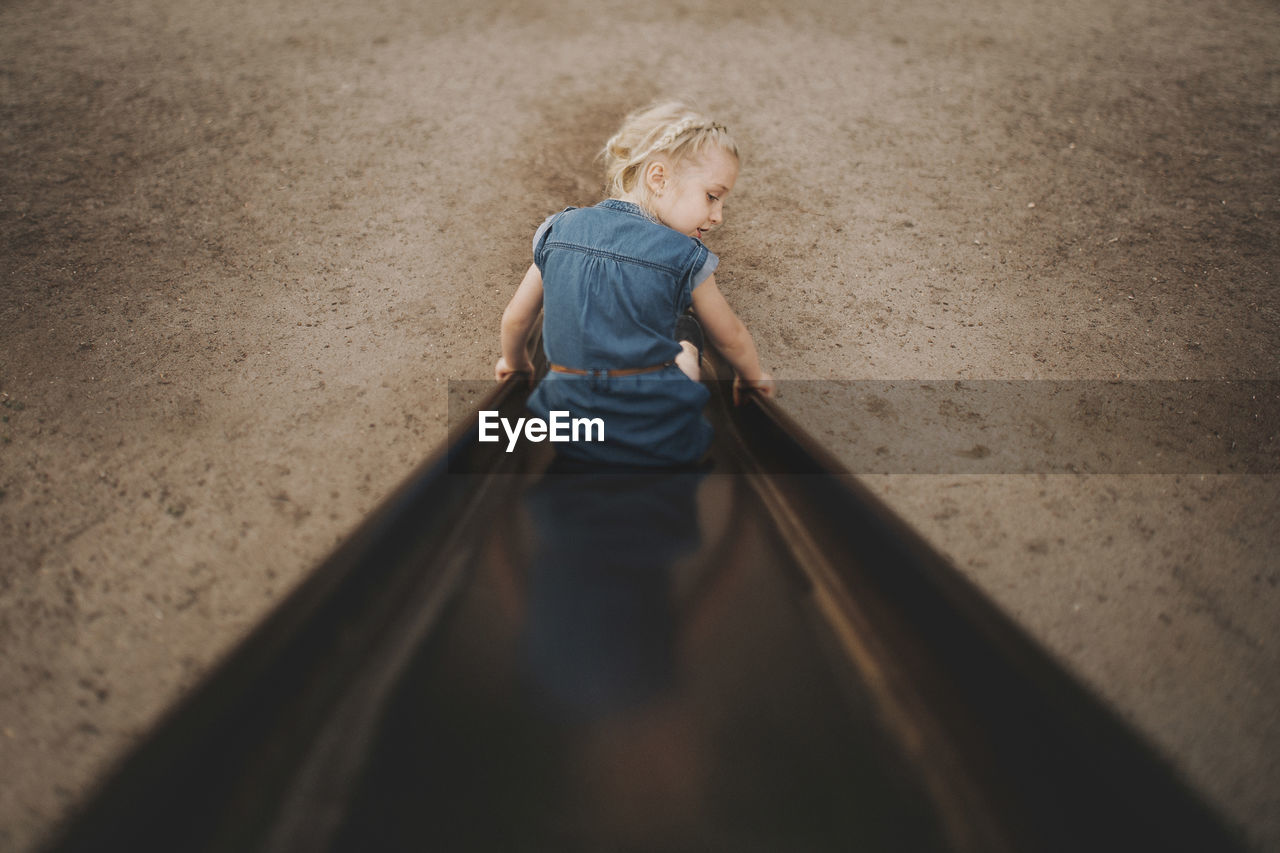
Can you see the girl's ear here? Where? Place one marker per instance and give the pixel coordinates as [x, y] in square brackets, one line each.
[655, 177]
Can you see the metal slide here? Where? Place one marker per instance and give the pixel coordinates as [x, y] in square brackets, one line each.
[753, 657]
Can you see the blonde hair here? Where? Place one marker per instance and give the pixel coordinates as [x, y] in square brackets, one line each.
[672, 130]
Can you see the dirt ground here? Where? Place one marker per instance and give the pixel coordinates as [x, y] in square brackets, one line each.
[247, 244]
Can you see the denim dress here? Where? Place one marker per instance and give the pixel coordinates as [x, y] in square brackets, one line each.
[614, 282]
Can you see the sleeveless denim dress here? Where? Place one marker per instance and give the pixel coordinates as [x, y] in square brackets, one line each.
[614, 282]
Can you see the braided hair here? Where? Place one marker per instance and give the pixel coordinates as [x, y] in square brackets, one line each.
[670, 129]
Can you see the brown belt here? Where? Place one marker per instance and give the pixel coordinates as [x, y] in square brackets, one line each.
[626, 371]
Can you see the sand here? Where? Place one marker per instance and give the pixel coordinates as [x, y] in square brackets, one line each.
[247, 245]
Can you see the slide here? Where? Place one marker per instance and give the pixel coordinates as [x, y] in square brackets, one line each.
[510, 654]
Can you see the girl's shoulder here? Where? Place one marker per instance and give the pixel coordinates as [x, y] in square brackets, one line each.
[546, 226]
[626, 231]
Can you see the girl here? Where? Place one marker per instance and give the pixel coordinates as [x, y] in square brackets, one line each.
[615, 281]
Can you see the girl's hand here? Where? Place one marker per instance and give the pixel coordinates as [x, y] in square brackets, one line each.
[764, 386]
[502, 370]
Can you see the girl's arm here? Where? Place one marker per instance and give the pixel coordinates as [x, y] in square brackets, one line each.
[517, 322]
[730, 336]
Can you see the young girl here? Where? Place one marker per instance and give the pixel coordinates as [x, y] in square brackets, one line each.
[614, 282]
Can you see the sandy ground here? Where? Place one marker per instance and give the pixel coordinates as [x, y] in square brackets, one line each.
[247, 244]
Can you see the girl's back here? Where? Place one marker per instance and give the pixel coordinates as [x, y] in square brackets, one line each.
[615, 282]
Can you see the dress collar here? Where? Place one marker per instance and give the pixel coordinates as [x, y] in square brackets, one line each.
[627, 207]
